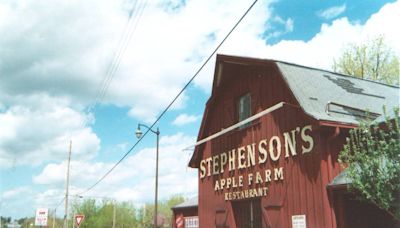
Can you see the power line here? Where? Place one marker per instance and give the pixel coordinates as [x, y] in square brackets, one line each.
[135, 14]
[173, 101]
[124, 45]
[116, 55]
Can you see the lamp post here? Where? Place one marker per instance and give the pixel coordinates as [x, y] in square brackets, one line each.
[138, 135]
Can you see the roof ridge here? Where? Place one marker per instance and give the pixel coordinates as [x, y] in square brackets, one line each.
[307, 67]
[336, 73]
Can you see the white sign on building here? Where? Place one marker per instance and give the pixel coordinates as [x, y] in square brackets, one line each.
[41, 216]
[299, 221]
[192, 222]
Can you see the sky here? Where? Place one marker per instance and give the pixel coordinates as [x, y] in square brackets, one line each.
[89, 71]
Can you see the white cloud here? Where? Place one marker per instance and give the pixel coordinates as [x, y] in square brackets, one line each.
[275, 24]
[41, 133]
[323, 47]
[81, 172]
[289, 25]
[68, 55]
[16, 192]
[14, 201]
[169, 43]
[184, 118]
[133, 178]
[332, 12]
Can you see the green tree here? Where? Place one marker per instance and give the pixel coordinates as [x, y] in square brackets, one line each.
[88, 208]
[372, 157]
[58, 222]
[146, 214]
[4, 221]
[101, 214]
[165, 207]
[26, 222]
[372, 60]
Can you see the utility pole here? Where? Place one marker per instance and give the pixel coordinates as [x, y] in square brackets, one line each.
[67, 187]
[54, 217]
[156, 194]
[114, 215]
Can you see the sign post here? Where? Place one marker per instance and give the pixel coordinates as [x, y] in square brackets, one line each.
[79, 219]
[41, 216]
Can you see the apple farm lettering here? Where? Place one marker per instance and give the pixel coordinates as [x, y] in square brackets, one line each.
[245, 157]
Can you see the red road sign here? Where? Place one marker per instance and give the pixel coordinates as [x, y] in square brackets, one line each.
[79, 219]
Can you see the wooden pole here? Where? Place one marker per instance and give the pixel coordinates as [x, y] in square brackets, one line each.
[156, 191]
[54, 217]
[67, 187]
[114, 215]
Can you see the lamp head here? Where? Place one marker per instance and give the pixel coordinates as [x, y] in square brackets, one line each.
[138, 132]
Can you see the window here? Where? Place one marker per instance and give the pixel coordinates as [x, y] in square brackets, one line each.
[244, 108]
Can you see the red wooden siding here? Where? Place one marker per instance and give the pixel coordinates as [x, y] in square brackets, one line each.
[303, 190]
[185, 212]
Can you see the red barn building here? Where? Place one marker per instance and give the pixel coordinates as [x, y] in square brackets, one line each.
[185, 214]
[269, 141]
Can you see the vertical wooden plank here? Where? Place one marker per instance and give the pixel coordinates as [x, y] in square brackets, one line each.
[305, 176]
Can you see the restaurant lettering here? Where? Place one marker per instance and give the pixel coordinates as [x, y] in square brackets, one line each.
[248, 156]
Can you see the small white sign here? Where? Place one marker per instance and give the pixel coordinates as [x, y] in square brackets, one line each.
[192, 222]
[299, 221]
[41, 216]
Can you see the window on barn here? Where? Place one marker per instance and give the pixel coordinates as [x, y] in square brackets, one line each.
[244, 108]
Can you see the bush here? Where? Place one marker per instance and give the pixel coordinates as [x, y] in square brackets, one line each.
[372, 157]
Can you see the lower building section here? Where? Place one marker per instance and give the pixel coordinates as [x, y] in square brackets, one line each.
[347, 212]
[185, 215]
[247, 213]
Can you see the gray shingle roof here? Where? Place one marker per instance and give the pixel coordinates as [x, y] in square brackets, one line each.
[340, 179]
[193, 202]
[335, 97]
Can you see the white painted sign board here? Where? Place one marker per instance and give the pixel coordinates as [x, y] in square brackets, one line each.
[192, 222]
[41, 216]
[299, 221]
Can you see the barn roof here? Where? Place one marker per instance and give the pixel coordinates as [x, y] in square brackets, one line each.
[341, 179]
[193, 202]
[322, 94]
[335, 97]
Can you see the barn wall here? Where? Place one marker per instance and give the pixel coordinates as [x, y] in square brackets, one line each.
[303, 189]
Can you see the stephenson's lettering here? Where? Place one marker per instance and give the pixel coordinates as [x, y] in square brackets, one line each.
[258, 153]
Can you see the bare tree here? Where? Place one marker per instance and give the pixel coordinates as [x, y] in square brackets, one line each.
[373, 60]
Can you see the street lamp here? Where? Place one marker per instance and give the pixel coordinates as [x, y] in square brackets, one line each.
[138, 135]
